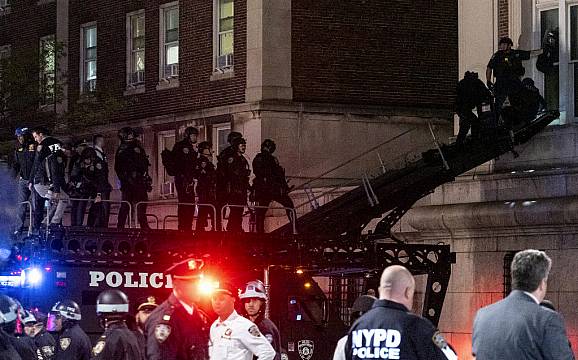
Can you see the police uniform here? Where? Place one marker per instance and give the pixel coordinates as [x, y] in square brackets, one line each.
[470, 94]
[131, 165]
[23, 164]
[270, 185]
[174, 331]
[237, 338]
[97, 172]
[25, 347]
[206, 176]
[46, 344]
[73, 344]
[117, 343]
[185, 157]
[237, 185]
[7, 351]
[507, 68]
[390, 331]
[271, 333]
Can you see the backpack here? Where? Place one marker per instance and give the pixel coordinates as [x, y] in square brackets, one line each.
[168, 159]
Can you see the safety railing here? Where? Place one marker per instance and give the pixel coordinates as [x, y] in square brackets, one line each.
[172, 202]
[31, 220]
[92, 200]
[254, 207]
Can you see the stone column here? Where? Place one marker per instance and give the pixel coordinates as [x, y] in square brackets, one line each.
[268, 50]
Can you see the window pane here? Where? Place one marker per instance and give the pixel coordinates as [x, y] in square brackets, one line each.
[226, 24]
[226, 43]
[551, 89]
[138, 26]
[172, 19]
[138, 61]
[171, 35]
[574, 32]
[90, 70]
[90, 37]
[172, 54]
[138, 43]
[90, 54]
[222, 134]
[226, 9]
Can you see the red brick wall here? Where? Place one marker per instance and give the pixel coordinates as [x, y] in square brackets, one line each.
[503, 21]
[196, 91]
[397, 52]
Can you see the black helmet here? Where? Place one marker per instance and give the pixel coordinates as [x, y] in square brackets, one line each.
[68, 309]
[471, 75]
[528, 83]
[111, 302]
[8, 310]
[205, 145]
[268, 145]
[232, 136]
[238, 141]
[125, 133]
[191, 130]
[506, 40]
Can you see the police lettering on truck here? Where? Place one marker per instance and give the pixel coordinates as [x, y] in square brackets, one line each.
[376, 343]
[130, 279]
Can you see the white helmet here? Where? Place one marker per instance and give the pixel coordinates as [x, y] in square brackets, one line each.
[254, 290]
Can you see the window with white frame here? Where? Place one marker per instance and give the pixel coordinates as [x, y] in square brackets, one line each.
[88, 58]
[47, 61]
[166, 140]
[169, 41]
[549, 22]
[224, 21]
[135, 48]
[220, 134]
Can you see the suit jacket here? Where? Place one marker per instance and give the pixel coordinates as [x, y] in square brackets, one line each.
[518, 328]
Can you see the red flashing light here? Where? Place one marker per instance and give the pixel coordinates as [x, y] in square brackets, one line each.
[61, 284]
[19, 257]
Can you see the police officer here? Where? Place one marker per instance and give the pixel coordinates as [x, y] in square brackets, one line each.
[23, 164]
[269, 183]
[236, 182]
[506, 66]
[222, 171]
[48, 172]
[254, 301]
[26, 349]
[117, 342]
[34, 327]
[8, 317]
[234, 337]
[99, 210]
[143, 312]
[131, 165]
[81, 183]
[471, 94]
[73, 343]
[185, 155]
[360, 306]
[390, 331]
[206, 176]
[177, 328]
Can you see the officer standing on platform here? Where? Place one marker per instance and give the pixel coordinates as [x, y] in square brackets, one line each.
[73, 343]
[177, 329]
[234, 337]
[99, 211]
[185, 156]
[222, 171]
[390, 331]
[254, 301]
[131, 165]
[236, 182]
[206, 176]
[23, 163]
[269, 183]
[117, 342]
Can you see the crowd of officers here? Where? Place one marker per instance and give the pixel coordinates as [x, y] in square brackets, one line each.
[176, 329]
[47, 169]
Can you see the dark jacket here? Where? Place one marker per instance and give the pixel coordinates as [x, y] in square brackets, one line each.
[46, 344]
[73, 344]
[518, 328]
[117, 343]
[389, 328]
[206, 176]
[508, 64]
[131, 164]
[7, 351]
[269, 175]
[271, 333]
[470, 93]
[49, 164]
[25, 347]
[236, 172]
[173, 334]
[185, 156]
[24, 160]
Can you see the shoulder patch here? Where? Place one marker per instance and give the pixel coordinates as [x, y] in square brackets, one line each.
[98, 347]
[186, 150]
[254, 330]
[31, 147]
[137, 150]
[64, 343]
[162, 332]
[439, 340]
[230, 160]
[99, 166]
[269, 338]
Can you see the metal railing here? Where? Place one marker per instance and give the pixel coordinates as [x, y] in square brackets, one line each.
[172, 202]
[31, 220]
[92, 200]
[291, 210]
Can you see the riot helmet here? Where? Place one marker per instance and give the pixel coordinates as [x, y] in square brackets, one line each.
[238, 141]
[67, 309]
[506, 40]
[269, 146]
[8, 310]
[21, 131]
[233, 135]
[126, 133]
[528, 83]
[112, 303]
[27, 317]
[191, 130]
[254, 289]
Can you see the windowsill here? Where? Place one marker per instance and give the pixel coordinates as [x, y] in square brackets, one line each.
[46, 107]
[168, 83]
[134, 89]
[44, 2]
[222, 74]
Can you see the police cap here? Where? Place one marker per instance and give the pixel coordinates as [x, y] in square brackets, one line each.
[148, 305]
[227, 288]
[189, 269]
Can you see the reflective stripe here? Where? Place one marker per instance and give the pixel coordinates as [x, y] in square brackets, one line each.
[112, 308]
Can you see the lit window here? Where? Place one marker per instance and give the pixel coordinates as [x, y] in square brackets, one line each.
[220, 134]
[4, 4]
[47, 69]
[224, 34]
[136, 48]
[169, 41]
[88, 54]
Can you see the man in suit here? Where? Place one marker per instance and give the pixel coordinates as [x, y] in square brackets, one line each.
[517, 327]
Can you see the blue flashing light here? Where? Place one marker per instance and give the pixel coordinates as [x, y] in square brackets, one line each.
[33, 276]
